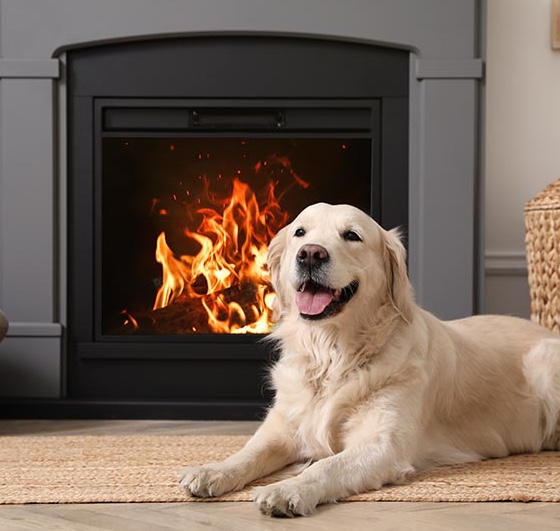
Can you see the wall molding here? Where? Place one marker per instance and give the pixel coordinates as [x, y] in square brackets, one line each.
[425, 68]
[30, 68]
[22, 329]
[505, 264]
[449, 69]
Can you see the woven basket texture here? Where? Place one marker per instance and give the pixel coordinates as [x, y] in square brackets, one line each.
[542, 239]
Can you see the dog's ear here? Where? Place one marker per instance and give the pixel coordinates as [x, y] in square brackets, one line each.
[398, 285]
[273, 260]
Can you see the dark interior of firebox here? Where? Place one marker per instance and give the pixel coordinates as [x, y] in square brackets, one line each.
[164, 184]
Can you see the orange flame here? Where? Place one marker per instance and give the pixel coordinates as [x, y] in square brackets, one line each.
[228, 275]
[129, 320]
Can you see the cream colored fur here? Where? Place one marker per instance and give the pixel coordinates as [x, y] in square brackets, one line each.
[384, 389]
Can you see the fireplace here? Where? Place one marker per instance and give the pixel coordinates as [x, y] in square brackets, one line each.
[79, 79]
[177, 188]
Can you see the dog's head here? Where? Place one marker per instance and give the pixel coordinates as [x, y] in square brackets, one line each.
[335, 256]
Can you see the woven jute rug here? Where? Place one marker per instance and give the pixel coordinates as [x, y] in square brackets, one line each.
[82, 469]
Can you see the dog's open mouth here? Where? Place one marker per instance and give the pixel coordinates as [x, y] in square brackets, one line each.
[315, 301]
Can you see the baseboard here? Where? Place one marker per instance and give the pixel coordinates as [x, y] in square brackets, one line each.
[14, 408]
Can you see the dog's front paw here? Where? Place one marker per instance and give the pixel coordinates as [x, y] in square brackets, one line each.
[286, 499]
[207, 481]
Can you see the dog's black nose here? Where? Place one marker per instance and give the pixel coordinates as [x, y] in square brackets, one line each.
[312, 255]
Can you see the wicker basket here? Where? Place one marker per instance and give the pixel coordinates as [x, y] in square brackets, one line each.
[542, 239]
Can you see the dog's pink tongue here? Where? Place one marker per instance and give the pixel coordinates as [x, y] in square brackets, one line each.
[310, 303]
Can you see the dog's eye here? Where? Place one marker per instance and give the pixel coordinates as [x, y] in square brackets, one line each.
[299, 232]
[351, 236]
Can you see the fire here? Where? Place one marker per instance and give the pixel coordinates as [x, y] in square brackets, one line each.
[129, 320]
[228, 275]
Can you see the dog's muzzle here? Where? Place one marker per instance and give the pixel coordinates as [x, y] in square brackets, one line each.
[315, 299]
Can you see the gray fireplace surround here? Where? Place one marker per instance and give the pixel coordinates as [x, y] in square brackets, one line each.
[446, 70]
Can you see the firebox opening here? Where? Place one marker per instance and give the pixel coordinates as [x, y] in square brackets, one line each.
[186, 221]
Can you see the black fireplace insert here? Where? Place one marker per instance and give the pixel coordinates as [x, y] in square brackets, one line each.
[185, 158]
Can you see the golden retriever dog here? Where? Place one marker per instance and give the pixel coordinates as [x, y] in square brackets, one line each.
[370, 388]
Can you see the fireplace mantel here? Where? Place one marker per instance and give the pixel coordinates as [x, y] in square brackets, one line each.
[442, 37]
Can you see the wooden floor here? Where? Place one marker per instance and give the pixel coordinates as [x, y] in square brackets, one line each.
[244, 516]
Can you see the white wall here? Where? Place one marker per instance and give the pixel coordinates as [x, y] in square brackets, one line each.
[522, 139]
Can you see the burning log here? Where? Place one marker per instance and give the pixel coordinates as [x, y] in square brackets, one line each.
[187, 315]
[233, 238]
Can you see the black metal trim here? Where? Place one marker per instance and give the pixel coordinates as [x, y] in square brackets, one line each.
[301, 112]
[239, 116]
[206, 348]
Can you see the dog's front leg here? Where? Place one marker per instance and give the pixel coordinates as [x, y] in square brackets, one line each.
[269, 450]
[352, 471]
[378, 452]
